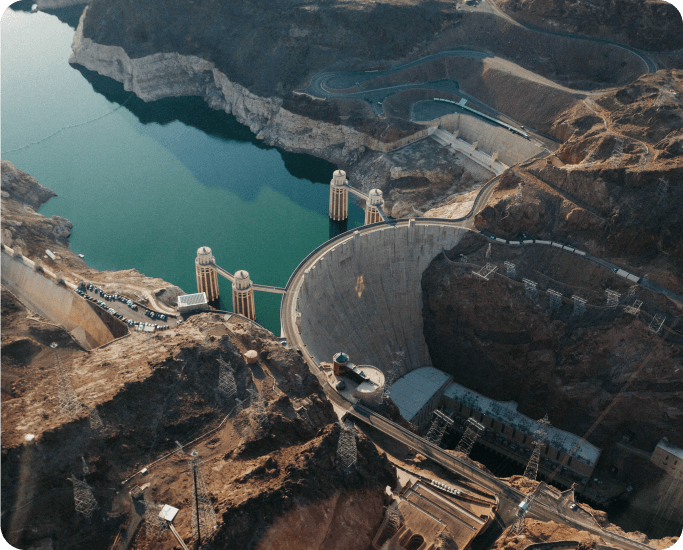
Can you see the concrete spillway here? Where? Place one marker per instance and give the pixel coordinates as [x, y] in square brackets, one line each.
[362, 294]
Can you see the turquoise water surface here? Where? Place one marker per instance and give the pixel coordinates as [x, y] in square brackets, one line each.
[148, 183]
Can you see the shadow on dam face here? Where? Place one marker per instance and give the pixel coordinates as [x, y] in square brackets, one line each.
[362, 293]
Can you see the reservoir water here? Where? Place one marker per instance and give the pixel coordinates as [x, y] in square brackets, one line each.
[148, 183]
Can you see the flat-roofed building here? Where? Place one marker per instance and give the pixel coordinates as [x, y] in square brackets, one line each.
[504, 421]
[427, 512]
[669, 458]
[188, 303]
[417, 393]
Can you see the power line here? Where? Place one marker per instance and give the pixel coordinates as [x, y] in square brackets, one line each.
[203, 514]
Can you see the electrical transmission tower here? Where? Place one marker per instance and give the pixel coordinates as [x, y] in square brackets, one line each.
[486, 271]
[84, 499]
[531, 289]
[68, 401]
[259, 413]
[155, 524]
[472, 432]
[394, 520]
[440, 423]
[518, 195]
[579, 305]
[540, 437]
[227, 386]
[347, 453]
[95, 421]
[523, 510]
[612, 298]
[488, 252]
[656, 323]
[555, 299]
[203, 515]
[510, 270]
[463, 258]
[635, 308]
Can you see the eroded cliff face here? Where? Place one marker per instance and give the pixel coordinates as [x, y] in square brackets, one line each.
[614, 186]
[651, 25]
[173, 75]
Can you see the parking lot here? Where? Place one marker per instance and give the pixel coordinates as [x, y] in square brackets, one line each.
[125, 309]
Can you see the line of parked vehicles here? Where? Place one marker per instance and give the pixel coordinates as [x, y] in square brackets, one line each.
[81, 290]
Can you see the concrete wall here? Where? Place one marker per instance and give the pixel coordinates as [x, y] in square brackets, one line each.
[511, 148]
[364, 297]
[44, 296]
[387, 147]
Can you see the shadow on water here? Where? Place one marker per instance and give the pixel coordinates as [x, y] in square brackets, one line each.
[337, 228]
[193, 112]
[68, 14]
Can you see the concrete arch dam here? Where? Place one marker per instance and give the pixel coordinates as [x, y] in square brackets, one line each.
[361, 293]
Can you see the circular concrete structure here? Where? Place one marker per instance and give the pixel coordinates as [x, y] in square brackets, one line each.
[371, 391]
[242, 280]
[361, 292]
[204, 256]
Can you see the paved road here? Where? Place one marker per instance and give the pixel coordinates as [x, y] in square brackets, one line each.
[650, 65]
[330, 84]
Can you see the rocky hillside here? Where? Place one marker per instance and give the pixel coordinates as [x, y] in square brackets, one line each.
[651, 25]
[614, 185]
[272, 484]
[601, 375]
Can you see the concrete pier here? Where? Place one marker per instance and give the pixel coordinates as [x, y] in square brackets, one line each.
[243, 295]
[339, 196]
[207, 278]
[372, 205]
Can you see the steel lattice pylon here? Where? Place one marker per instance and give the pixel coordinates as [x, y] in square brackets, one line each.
[84, 500]
[540, 438]
[486, 272]
[259, 413]
[555, 299]
[612, 298]
[95, 420]
[579, 305]
[510, 270]
[203, 514]
[226, 380]
[155, 524]
[530, 288]
[436, 432]
[68, 400]
[346, 446]
[394, 519]
[472, 432]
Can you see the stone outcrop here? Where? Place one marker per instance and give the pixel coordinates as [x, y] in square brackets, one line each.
[173, 75]
[614, 186]
[652, 25]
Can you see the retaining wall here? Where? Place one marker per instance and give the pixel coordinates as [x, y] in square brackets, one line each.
[364, 296]
[377, 145]
[42, 295]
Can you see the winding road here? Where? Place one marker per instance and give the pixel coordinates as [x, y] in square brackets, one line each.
[339, 84]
